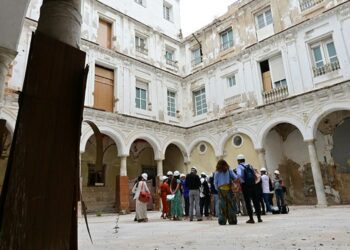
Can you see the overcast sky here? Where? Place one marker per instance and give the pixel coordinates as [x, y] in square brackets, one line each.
[197, 13]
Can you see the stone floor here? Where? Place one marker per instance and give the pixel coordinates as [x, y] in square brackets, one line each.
[303, 228]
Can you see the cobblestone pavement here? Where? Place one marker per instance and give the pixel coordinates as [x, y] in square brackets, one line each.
[303, 228]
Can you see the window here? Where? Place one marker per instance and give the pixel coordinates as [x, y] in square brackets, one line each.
[231, 81]
[104, 36]
[104, 89]
[273, 75]
[141, 44]
[237, 141]
[264, 18]
[324, 57]
[202, 148]
[307, 4]
[226, 39]
[96, 177]
[140, 2]
[200, 104]
[196, 57]
[171, 103]
[170, 58]
[141, 96]
[167, 11]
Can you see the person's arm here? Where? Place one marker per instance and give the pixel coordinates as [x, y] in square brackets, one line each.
[146, 187]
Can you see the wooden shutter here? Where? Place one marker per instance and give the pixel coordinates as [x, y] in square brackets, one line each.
[104, 37]
[104, 89]
[267, 83]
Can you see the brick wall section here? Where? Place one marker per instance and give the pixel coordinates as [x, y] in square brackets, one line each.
[122, 194]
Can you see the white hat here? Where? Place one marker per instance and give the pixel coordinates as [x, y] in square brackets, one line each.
[182, 175]
[240, 157]
[203, 173]
[144, 176]
[263, 170]
[277, 172]
[169, 173]
[164, 178]
[176, 173]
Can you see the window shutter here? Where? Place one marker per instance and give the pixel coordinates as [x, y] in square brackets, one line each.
[276, 68]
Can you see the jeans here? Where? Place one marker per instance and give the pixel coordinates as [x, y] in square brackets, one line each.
[194, 203]
[216, 204]
[267, 202]
[187, 205]
[279, 198]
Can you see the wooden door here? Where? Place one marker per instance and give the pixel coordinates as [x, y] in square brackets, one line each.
[104, 36]
[267, 83]
[104, 89]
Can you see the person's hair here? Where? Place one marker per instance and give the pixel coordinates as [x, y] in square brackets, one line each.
[241, 161]
[174, 182]
[222, 166]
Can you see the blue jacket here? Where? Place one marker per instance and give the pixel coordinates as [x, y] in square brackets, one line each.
[223, 178]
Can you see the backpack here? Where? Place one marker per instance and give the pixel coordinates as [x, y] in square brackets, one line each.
[249, 175]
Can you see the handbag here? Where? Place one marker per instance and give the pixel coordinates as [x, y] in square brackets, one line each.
[144, 197]
[170, 197]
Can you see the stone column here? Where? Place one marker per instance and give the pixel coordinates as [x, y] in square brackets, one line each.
[262, 157]
[316, 173]
[159, 168]
[61, 19]
[6, 57]
[188, 166]
[122, 187]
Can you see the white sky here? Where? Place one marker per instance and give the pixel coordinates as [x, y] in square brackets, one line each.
[197, 13]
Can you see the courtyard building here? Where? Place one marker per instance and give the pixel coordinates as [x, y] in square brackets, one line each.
[268, 79]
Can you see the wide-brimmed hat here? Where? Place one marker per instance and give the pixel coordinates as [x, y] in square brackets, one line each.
[144, 176]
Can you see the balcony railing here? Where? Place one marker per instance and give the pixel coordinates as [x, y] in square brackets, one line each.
[142, 50]
[171, 62]
[327, 68]
[226, 45]
[275, 94]
[307, 4]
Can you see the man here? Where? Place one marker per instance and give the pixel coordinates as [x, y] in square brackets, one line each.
[246, 174]
[193, 183]
[265, 179]
[278, 187]
[204, 195]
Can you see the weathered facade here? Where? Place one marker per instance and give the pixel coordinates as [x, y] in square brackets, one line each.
[269, 79]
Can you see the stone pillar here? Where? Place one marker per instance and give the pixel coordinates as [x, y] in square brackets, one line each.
[316, 173]
[122, 188]
[262, 157]
[188, 167]
[80, 212]
[61, 19]
[159, 168]
[6, 57]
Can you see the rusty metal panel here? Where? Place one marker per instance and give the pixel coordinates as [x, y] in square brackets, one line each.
[38, 205]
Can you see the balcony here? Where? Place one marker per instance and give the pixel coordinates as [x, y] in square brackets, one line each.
[327, 68]
[307, 4]
[171, 62]
[226, 45]
[142, 50]
[275, 94]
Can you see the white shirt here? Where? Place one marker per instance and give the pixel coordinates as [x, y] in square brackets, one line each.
[265, 184]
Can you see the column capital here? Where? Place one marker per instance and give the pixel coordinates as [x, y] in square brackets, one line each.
[123, 156]
[260, 150]
[159, 159]
[310, 141]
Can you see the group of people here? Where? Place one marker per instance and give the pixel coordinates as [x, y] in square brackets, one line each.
[224, 194]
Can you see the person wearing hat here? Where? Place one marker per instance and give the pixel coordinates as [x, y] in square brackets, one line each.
[204, 194]
[265, 184]
[176, 203]
[185, 193]
[164, 190]
[193, 183]
[141, 207]
[170, 176]
[247, 177]
[278, 187]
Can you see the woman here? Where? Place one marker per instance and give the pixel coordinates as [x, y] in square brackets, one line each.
[164, 191]
[176, 203]
[136, 184]
[223, 179]
[141, 207]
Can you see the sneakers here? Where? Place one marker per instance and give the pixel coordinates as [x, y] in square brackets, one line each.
[260, 220]
[251, 221]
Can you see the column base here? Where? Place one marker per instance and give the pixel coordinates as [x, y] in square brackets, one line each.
[122, 195]
[321, 206]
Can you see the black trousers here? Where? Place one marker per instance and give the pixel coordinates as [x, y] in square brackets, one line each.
[251, 194]
[187, 206]
[204, 205]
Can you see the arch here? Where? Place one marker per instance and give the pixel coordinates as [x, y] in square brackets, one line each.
[319, 114]
[248, 132]
[10, 120]
[208, 140]
[265, 129]
[153, 141]
[180, 144]
[115, 135]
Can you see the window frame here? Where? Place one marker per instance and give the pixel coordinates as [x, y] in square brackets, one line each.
[200, 106]
[265, 20]
[232, 76]
[230, 42]
[171, 103]
[139, 41]
[196, 59]
[141, 86]
[167, 11]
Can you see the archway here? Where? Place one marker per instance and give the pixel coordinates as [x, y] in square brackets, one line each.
[99, 182]
[286, 151]
[141, 160]
[174, 160]
[332, 144]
